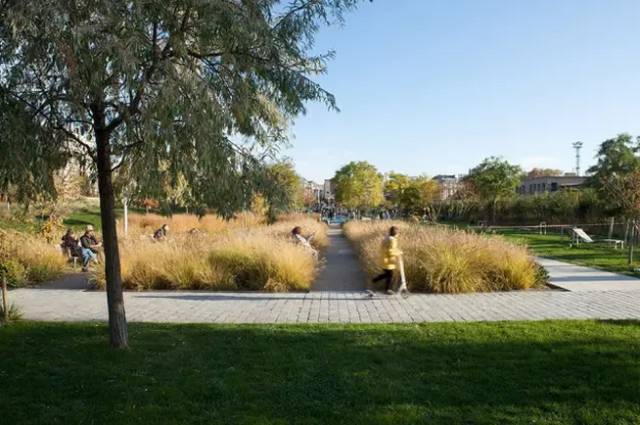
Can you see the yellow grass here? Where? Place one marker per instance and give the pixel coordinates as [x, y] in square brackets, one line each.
[240, 254]
[29, 259]
[442, 260]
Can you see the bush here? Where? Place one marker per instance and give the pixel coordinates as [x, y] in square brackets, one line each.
[562, 207]
[442, 260]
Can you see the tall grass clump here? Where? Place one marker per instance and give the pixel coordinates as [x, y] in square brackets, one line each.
[239, 254]
[29, 259]
[442, 260]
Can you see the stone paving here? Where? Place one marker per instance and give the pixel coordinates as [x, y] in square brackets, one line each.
[328, 307]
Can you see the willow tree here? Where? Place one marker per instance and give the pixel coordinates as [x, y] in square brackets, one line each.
[174, 85]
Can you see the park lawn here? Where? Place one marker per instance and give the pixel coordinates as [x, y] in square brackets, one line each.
[553, 372]
[598, 255]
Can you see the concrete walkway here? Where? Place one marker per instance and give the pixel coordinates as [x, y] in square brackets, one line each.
[342, 270]
[579, 279]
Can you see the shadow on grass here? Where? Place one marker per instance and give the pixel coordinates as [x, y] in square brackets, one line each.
[549, 372]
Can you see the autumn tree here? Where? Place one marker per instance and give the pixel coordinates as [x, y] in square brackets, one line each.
[282, 189]
[358, 186]
[204, 87]
[623, 194]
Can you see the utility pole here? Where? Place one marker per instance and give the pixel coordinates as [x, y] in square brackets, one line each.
[577, 146]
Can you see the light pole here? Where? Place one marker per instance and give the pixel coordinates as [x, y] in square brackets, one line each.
[577, 146]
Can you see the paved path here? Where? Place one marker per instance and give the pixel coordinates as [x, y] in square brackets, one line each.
[579, 279]
[328, 306]
[342, 270]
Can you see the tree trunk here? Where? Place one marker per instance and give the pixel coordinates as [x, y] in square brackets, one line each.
[632, 242]
[125, 203]
[5, 300]
[612, 222]
[626, 230]
[117, 318]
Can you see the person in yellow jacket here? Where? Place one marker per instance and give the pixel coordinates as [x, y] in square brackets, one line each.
[390, 254]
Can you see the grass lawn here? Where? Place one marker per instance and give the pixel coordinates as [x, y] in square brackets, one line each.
[556, 246]
[555, 372]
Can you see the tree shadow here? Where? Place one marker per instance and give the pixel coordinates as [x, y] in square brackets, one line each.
[342, 374]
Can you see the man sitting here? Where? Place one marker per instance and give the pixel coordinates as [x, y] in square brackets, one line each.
[90, 246]
[161, 233]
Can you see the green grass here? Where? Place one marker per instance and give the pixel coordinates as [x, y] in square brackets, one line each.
[555, 372]
[558, 247]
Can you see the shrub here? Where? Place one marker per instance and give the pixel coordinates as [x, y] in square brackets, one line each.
[442, 260]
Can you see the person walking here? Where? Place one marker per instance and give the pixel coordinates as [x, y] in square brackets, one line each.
[390, 254]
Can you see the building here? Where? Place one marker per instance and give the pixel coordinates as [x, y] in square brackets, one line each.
[449, 184]
[329, 195]
[530, 186]
[313, 191]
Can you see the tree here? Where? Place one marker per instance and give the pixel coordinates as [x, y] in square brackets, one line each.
[177, 82]
[623, 193]
[421, 193]
[358, 186]
[283, 189]
[494, 179]
[412, 195]
[544, 172]
[617, 156]
[395, 185]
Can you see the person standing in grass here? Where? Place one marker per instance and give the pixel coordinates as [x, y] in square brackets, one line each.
[390, 254]
[90, 246]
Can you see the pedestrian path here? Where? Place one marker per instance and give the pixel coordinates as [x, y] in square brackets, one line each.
[327, 306]
[575, 278]
[341, 271]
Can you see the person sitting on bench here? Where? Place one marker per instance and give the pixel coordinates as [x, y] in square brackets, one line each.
[305, 242]
[90, 247]
[70, 245]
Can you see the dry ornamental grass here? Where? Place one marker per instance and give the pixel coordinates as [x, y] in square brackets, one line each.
[26, 259]
[443, 260]
[239, 254]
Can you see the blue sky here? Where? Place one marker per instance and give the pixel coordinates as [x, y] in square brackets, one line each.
[435, 86]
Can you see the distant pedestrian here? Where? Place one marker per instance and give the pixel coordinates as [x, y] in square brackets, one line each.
[389, 254]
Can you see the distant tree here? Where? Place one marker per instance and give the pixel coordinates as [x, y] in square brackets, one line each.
[494, 179]
[622, 191]
[358, 186]
[143, 83]
[617, 156]
[422, 192]
[544, 172]
[283, 189]
[395, 184]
